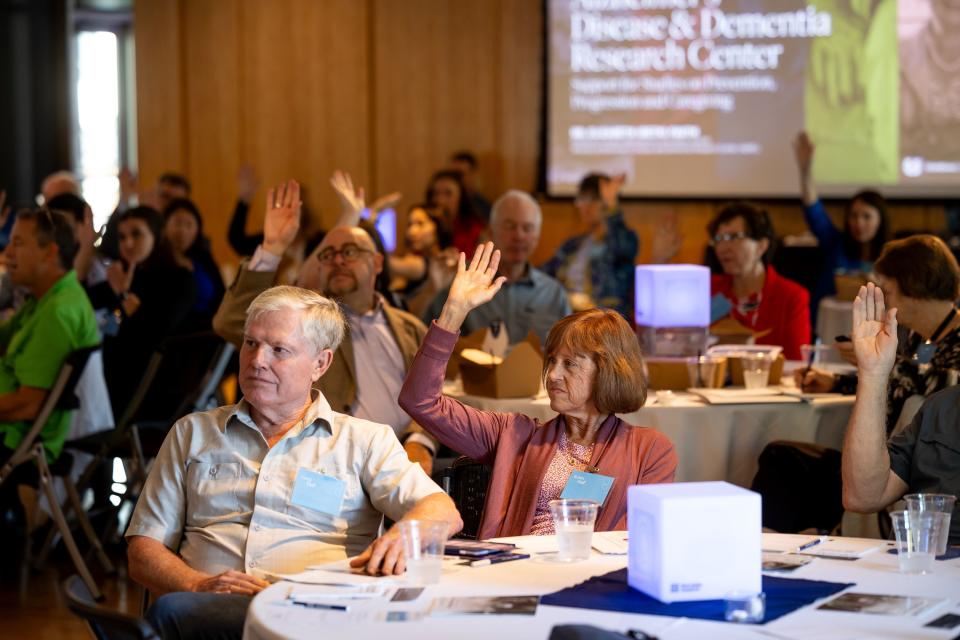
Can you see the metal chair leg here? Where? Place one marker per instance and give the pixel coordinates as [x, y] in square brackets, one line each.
[46, 482]
[84, 522]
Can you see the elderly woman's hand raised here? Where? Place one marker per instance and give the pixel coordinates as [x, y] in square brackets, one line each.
[473, 286]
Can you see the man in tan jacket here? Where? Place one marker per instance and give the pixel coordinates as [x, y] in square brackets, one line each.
[367, 371]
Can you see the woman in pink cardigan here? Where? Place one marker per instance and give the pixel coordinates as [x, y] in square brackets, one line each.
[592, 370]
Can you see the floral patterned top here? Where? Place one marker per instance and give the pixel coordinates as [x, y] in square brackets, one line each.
[570, 457]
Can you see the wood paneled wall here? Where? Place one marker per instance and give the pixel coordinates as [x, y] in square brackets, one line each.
[385, 89]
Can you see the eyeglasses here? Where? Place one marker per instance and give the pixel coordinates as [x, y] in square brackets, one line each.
[728, 237]
[349, 251]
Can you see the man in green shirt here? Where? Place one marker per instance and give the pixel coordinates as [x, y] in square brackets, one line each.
[56, 320]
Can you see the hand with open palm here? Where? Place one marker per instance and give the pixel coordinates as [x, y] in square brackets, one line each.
[282, 220]
[473, 286]
[874, 333]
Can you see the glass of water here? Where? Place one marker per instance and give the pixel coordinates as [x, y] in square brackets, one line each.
[936, 503]
[917, 534]
[423, 543]
[756, 370]
[573, 522]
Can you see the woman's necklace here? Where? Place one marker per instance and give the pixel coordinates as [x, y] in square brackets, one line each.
[571, 458]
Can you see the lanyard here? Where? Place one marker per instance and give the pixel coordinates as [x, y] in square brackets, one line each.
[925, 351]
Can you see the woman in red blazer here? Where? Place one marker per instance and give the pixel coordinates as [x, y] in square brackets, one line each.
[776, 309]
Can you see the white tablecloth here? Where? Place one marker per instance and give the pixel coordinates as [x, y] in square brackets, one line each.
[270, 617]
[714, 442]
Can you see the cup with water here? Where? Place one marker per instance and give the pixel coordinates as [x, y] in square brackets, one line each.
[573, 522]
[917, 537]
[936, 503]
[705, 371]
[756, 369]
[423, 543]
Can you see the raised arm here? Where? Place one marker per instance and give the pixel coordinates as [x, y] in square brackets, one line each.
[464, 429]
[868, 482]
[803, 149]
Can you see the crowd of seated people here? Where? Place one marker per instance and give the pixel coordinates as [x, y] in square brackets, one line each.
[347, 365]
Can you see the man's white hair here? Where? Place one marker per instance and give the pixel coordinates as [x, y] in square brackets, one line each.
[519, 196]
[66, 180]
[323, 322]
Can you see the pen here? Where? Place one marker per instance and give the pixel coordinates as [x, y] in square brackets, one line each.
[320, 605]
[507, 557]
[810, 359]
[812, 543]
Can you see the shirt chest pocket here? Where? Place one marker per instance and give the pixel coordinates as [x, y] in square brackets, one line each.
[323, 497]
[212, 490]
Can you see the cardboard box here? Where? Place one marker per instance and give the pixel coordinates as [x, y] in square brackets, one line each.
[848, 285]
[515, 375]
[674, 374]
[693, 540]
[729, 331]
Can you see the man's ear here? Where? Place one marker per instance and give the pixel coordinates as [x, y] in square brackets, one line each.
[322, 363]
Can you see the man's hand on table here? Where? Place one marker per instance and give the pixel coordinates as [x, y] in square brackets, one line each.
[384, 556]
[235, 582]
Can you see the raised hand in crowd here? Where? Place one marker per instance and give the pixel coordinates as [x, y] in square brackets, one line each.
[120, 279]
[247, 183]
[473, 286]
[86, 237]
[803, 150]
[282, 218]
[667, 239]
[351, 199]
[874, 334]
[610, 190]
[128, 184]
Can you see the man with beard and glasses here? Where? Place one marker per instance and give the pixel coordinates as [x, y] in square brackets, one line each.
[368, 369]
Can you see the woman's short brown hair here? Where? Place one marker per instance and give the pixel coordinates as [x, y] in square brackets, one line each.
[619, 386]
[923, 267]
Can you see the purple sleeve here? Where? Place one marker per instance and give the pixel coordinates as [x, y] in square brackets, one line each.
[469, 431]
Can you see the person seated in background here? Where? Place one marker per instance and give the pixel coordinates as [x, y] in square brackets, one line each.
[183, 232]
[90, 269]
[853, 249]
[430, 261]
[369, 365]
[273, 484]
[170, 186]
[920, 277]
[593, 370]
[922, 458]
[54, 321]
[466, 163]
[530, 300]
[146, 298]
[749, 290]
[448, 193]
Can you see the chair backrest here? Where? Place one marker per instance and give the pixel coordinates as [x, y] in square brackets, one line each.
[468, 482]
[104, 623]
[60, 396]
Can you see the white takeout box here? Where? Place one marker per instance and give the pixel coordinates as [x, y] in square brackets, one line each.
[693, 540]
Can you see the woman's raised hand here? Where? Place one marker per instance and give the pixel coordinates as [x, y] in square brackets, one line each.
[474, 285]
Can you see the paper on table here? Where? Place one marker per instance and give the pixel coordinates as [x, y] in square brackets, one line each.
[848, 548]
[610, 543]
[329, 578]
[768, 395]
[786, 542]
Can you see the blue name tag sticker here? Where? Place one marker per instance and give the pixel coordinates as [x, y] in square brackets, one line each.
[587, 486]
[316, 491]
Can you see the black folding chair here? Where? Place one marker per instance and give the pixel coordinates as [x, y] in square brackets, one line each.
[103, 623]
[466, 482]
[61, 396]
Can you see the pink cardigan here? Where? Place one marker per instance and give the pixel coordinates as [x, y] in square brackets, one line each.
[521, 448]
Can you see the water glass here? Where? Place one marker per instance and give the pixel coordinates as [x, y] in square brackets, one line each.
[744, 606]
[704, 371]
[917, 537]
[756, 370]
[423, 543]
[573, 522]
[938, 503]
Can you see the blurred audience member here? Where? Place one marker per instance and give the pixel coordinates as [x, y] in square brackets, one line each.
[242, 242]
[852, 249]
[183, 231]
[447, 192]
[592, 370]
[530, 300]
[776, 310]
[368, 369]
[59, 183]
[469, 167]
[147, 296]
[56, 320]
[90, 269]
[430, 262]
[170, 186]
[920, 278]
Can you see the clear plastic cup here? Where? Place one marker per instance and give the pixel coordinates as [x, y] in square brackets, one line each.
[938, 503]
[756, 370]
[423, 543]
[917, 537]
[822, 354]
[744, 606]
[573, 522]
[703, 371]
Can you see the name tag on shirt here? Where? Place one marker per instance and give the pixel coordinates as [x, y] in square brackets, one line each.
[316, 491]
[587, 486]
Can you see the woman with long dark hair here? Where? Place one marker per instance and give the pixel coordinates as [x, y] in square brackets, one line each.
[183, 232]
[447, 192]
